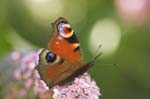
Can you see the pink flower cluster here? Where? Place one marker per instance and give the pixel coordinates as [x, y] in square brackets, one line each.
[27, 73]
[81, 88]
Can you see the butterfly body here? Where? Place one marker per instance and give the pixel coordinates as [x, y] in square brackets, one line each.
[62, 61]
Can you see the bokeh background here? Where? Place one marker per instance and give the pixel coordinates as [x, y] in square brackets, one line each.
[122, 27]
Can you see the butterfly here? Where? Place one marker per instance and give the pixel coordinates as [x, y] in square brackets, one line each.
[63, 60]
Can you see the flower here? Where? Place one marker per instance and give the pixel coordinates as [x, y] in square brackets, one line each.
[83, 87]
[27, 73]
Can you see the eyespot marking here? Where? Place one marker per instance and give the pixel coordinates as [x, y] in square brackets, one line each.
[50, 57]
[72, 39]
[64, 29]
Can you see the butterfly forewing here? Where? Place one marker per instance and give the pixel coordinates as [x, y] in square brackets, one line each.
[64, 41]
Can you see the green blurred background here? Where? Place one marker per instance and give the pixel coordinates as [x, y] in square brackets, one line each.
[122, 27]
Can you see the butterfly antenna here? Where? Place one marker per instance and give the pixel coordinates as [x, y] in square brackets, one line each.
[97, 56]
[97, 49]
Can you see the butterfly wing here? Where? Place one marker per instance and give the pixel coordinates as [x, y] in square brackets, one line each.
[53, 69]
[68, 62]
[64, 41]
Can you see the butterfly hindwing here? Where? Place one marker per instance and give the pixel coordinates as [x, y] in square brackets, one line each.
[54, 70]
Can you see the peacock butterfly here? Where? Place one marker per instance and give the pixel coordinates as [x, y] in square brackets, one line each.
[62, 61]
